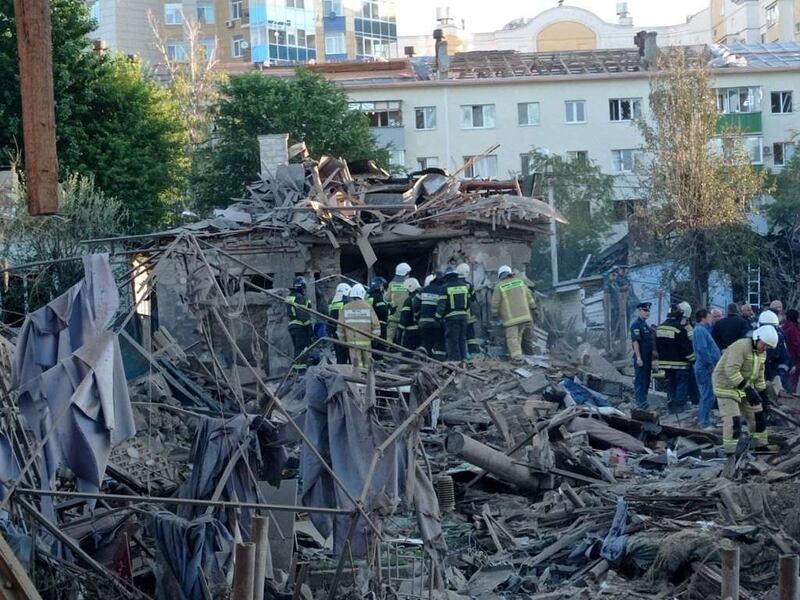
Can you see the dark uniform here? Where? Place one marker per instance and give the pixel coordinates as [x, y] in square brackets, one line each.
[376, 300]
[409, 323]
[453, 308]
[334, 310]
[299, 323]
[676, 357]
[472, 339]
[641, 333]
[430, 327]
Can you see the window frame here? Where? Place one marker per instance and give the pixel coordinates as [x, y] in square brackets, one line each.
[616, 105]
[486, 110]
[236, 42]
[469, 172]
[173, 55]
[333, 12]
[528, 123]
[781, 95]
[568, 113]
[429, 124]
[426, 159]
[237, 9]
[783, 146]
[772, 15]
[755, 97]
[209, 55]
[339, 36]
[170, 11]
[578, 155]
[206, 6]
[376, 110]
[635, 154]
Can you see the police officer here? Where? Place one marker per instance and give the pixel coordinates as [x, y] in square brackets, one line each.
[375, 298]
[430, 328]
[395, 297]
[409, 317]
[514, 303]
[473, 347]
[642, 342]
[360, 319]
[452, 309]
[340, 298]
[299, 321]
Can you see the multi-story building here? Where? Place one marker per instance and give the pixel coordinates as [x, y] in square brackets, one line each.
[754, 21]
[357, 30]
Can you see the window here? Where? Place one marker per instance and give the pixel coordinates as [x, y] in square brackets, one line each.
[625, 109]
[425, 117]
[427, 162]
[484, 167]
[576, 111]
[370, 10]
[754, 147]
[528, 166]
[238, 46]
[782, 153]
[173, 14]
[398, 157]
[176, 50]
[295, 4]
[477, 116]
[332, 8]
[334, 43]
[205, 12]
[781, 102]
[624, 161]
[739, 100]
[209, 46]
[367, 46]
[380, 114]
[236, 9]
[582, 156]
[772, 15]
[528, 113]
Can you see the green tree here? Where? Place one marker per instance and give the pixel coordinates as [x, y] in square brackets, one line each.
[780, 254]
[698, 181]
[585, 196]
[308, 107]
[113, 122]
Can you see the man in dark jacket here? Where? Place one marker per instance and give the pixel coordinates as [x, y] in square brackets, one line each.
[675, 357]
[300, 328]
[430, 327]
[731, 328]
[453, 310]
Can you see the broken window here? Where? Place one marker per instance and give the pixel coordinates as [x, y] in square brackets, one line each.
[528, 113]
[427, 162]
[477, 116]
[739, 100]
[425, 117]
[582, 156]
[782, 153]
[334, 43]
[381, 114]
[173, 14]
[625, 109]
[781, 102]
[576, 111]
[624, 161]
[484, 167]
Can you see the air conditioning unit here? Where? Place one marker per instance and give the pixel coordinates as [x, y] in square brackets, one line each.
[767, 150]
[244, 45]
[229, 24]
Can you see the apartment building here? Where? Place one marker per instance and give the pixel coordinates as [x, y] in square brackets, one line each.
[754, 21]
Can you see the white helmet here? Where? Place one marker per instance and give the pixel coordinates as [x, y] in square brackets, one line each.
[767, 334]
[463, 270]
[358, 291]
[412, 285]
[504, 270]
[429, 279]
[768, 318]
[685, 308]
[342, 291]
[402, 269]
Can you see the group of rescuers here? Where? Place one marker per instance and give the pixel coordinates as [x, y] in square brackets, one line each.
[437, 317]
[734, 374]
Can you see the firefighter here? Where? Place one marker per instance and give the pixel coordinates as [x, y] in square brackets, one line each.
[452, 309]
[340, 298]
[430, 328]
[693, 390]
[473, 347]
[740, 387]
[375, 298]
[360, 318]
[299, 321]
[409, 317]
[513, 303]
[395, 297]
[676, 358]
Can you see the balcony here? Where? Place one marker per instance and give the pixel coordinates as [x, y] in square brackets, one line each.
[744, 122]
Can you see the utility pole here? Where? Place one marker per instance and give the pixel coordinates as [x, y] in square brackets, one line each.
[35, 47]
[551, 200]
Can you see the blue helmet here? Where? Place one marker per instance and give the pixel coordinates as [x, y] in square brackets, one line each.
[376, 283]
[299, 282]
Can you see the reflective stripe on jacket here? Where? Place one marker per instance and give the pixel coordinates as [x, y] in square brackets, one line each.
[294, 309]
[674, 347]
[395, 296]
[454, 298]
[360, 316]
[513, 301]
[740, 362]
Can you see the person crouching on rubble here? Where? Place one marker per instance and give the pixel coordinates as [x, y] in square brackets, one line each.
[514, 303]
[741, 388]
[675, 357]
[409, 317]
[360, 319]
[340, 298]
[300, 328]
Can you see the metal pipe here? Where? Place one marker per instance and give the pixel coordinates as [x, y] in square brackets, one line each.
[787, 577]
[263, 558]
[243, 568]
[730, 573]
[493, 461]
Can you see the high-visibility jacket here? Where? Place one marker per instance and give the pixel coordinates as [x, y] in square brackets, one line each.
[741, 365]
[376, 300]
[513, 301]
[427, 301]
[361, 316]
[454, 298]
[298, 317]
[674, 347]
[396, 295]
[334, 308]
[409, 317]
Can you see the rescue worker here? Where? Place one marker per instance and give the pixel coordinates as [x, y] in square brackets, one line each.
[642, 343]
[740, 387]
[452, 309]
[686, 321]
[375, 298]
[707, 355]
[409, 317]
[395, 297]
[473, 347]
[300, 328]
[340, 298]
[430, 328]
[513, 302]
[778, 362]
[361, 319]
[675, 357]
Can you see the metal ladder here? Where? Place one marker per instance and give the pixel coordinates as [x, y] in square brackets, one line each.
[754, 286]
